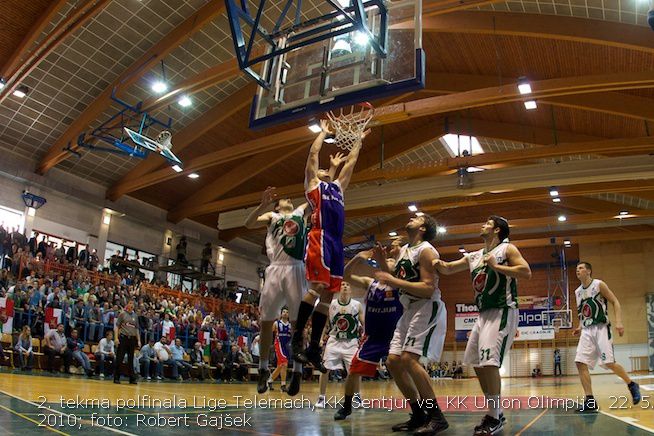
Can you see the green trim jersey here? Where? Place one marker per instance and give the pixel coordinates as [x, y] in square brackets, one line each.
[493, 290]
[344, 319]
[285, 240]
[592, 307]
[407, 267]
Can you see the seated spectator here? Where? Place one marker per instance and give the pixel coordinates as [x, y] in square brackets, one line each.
[165, 356]
[178, 357]
[106, 353]
[536, 371]
[55, 345]
[24, 349]
[197, 359]
[76, 347]
[150, 364]
[233, 365]
[218, 358]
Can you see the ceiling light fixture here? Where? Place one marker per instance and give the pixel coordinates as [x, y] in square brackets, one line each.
[314, 126]
[441, 230]
[185, 101]
[177, 168]
[530, 105]
[556, 200]
[523, 86]
[413, 208]
[420, 213]
[562, 218]
[21, 91]
[554, 192]
[624, 212]
[159, 87]
[193, 176]
[392, 234]
[2, 83]
[462, 249]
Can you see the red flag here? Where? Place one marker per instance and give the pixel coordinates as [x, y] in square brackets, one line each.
[6, 315]
[52, 318]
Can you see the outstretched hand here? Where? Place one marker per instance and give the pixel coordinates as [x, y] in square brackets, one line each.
[336, 159]
[325, 125]
[269, 196]
[379, 253]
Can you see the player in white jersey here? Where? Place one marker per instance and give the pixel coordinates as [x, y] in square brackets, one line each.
[345, 326]
[494, 272]
[596, 343]
[420, 332]
[285, 281]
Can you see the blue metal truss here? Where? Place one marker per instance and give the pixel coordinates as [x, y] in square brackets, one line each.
[112, 131]
[339, 22]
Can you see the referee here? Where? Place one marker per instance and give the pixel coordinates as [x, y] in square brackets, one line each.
[126, 334]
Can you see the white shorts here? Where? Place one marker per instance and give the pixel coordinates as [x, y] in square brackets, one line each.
[284, 284]
[338, 351]
[595, 345]
[421, 330]
[491, 337]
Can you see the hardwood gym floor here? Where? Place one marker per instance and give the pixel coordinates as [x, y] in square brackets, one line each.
[28, 400]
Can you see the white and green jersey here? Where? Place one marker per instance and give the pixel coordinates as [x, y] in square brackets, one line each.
[592, 307]
[344, 319]
[407, 267]
[285, 240]
[493, 290]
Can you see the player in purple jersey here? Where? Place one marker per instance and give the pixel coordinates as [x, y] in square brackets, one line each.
[383, 310]
[324, 254]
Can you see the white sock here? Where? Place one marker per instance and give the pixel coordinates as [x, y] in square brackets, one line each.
[263, 363]
[297, 366]
[493, 402]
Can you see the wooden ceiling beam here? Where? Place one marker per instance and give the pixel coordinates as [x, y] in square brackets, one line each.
[524, 225]
[632, 187]
[252, 167]
[182, 139]
[20, 54]
[150, 58]
[450, 165]
[613, 103]
[69, 25]
[580, 30]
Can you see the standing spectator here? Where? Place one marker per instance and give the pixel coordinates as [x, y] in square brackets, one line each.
[24, 349]
[218, 360]
[557, 362]
[94, 260]
[106, 354]
[84, 255]
[71, 254]
[33, 244]
[60, 253]
[55, 345]
[128, 338]
[197, 358]
[150, 364]
[76, 347]
[206, 258]
[255, 349]
[181, 251]
[42, 248]
[4, 238]
[178, 358]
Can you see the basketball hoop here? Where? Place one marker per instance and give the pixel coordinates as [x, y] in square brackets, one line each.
[349, 126]
[165, 138]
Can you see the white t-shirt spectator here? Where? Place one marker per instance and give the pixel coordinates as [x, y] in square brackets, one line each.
[106, 347]
[160, 349]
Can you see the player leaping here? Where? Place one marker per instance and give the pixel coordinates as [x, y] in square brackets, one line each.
[284, 281]
[324, 258]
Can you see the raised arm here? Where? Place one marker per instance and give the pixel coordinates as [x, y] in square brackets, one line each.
[517, 266]
[259, 217]
[448, 268]
[351, 278]
[610, 296]
[346, 172]
[313, 161]
[422, 289]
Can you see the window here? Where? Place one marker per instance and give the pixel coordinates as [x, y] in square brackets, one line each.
[458, 145]
[11, 218]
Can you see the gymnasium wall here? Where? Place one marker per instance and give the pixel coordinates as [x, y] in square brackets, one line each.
[625, 267]
[74, 211]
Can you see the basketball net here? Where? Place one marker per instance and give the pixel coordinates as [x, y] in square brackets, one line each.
[165, 139]
[349, 127]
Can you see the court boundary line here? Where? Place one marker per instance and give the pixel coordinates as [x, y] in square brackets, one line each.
[115, 430]
[532, 422]
[38, 425]
[626, 421]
